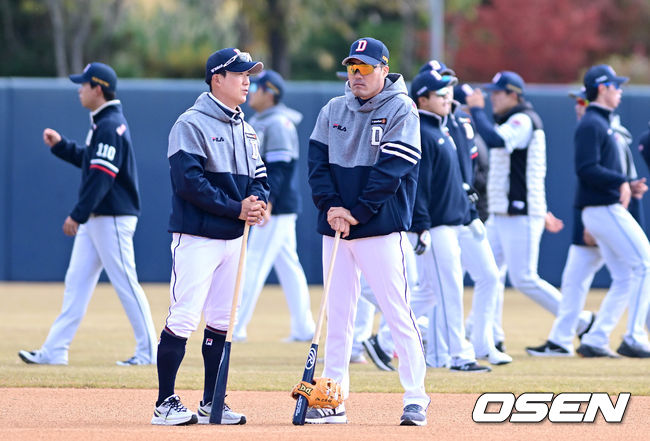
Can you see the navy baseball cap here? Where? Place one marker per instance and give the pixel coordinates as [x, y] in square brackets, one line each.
[438, 66]
[97, 73]
[232, 60]
[601, 74]
[579, 94]
[270, 80]
[461, 91]
[431, 81]
[508, 81]
[368, 50]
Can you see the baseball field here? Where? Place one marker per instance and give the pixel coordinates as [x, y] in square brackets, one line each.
[92, 398]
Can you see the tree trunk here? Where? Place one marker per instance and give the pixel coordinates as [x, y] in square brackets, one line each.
[407, 10]
[278, 12]
[81, 19]
[58, 37]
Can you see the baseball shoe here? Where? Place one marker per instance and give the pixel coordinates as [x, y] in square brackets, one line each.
[36, 357]
[133, 361]
[497, 357]
[381, 359]
[589, 351]
[472, 367]
[227, 417]
[414, 415]
[584, 325]
[501, 347]
[171, 412]
[548, 349]
[631, 351]
[326, 416]
[358, 359]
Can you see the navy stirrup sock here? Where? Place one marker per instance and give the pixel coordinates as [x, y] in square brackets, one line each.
[212, 350]
[171, 350]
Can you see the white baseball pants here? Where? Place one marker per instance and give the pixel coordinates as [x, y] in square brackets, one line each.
[441, 278]
[515, 244]
[202, 281]
[273, 245]
[477, 259]
[102, 242]
[626, 251]
[381, 260]
[582, 264]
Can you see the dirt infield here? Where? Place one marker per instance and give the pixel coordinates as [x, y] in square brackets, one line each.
[123, 414]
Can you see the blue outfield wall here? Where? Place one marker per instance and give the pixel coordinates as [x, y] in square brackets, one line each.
[37, 190]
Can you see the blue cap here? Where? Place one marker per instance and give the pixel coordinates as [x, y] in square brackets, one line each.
[231, 60]
[601, 74]
[368, 50]
[438, 66]
[508, 81]
[97, 73]
[581, 93]
[430, 81]
[270, 80]
[461, 91]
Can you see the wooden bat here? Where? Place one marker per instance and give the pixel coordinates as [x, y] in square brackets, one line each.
[222, 377]
[308, 375]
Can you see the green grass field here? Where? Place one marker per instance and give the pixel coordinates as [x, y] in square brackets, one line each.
[264, 362]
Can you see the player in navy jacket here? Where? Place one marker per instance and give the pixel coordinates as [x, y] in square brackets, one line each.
[442, 208]
[603, 195]
[103, 221]
[476, 255]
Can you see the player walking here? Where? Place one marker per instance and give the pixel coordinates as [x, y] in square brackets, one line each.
[584, 258]
[516, 190]
[441, 210]
[218, 184]
[273, 243]
[603, 194]
[103, 221]
[363, 161]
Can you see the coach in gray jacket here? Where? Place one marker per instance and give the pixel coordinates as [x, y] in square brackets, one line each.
[363, 163]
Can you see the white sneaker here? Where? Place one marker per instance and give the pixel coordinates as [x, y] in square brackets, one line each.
[227, 417]
[326, 416]
[171, 412]
[358, 359]
[37, 357]
[133, 361]
[497, 358]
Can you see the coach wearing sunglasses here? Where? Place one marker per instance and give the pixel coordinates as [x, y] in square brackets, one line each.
[364, 156]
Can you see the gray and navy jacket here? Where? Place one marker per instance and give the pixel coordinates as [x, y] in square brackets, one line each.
[214, 163]
[622, 139]
[517, 160]
[441, 198]
[364, 155]
[280, 149]
[109, 177]
[462, 132]
[597, 159]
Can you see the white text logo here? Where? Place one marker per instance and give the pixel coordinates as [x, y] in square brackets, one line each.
[534, 407]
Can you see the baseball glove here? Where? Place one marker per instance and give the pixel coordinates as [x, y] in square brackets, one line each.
[320, 393]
